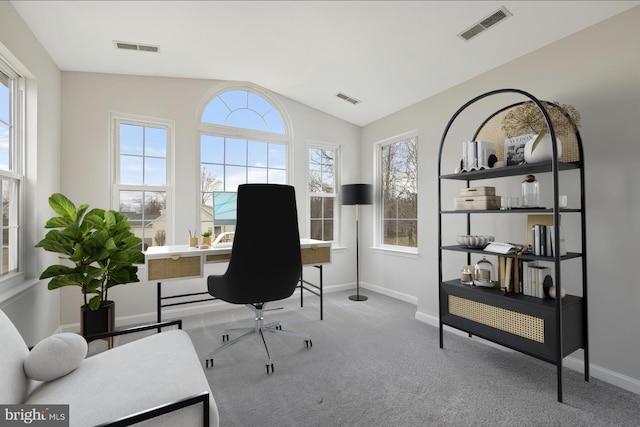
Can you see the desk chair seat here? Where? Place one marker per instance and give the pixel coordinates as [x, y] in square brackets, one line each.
[260, 272]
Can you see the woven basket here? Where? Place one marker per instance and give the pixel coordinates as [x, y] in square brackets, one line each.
[491, 131]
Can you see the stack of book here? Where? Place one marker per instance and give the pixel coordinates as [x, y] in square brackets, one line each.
[543, 240]
[477, 155]
[523, 277]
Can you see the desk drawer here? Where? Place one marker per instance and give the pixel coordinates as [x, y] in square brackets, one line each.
[175, 267]
[316, 255]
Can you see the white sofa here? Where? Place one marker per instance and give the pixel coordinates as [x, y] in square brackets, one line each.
[148, 373]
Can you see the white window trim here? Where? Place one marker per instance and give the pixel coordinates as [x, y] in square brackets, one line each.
[377, 188]
[115, 119]
[11, 280]
[337, 169]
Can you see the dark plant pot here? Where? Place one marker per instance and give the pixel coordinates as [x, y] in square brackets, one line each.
[98, 321]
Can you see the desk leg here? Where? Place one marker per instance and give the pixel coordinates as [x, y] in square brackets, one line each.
[301, 287]
[321, 296]
[159, 304]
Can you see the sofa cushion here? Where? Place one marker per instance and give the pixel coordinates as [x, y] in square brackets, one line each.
[55, 356]
[145, 373]
[14, 384]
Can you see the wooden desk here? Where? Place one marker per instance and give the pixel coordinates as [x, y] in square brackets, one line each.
[165, 263]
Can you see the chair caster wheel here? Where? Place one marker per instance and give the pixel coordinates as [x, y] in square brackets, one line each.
[308, 343]
[225, 337]
[209, 363]
[279, 327]
[270, 369]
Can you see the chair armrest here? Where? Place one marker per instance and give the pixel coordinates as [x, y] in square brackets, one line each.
[165, 409]
[134, 329]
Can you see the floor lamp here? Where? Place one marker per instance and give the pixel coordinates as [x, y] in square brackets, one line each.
[357, 194]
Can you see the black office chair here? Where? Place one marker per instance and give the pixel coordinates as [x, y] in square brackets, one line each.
[265, 263]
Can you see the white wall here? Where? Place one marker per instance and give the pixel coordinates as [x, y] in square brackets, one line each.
[598, 72]
[33, 308]
[87, 100]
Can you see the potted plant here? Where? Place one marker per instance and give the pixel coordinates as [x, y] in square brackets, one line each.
[101, 252]
[206, 238]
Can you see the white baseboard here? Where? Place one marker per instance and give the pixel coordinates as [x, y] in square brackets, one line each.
[614, 378]
[389, 292]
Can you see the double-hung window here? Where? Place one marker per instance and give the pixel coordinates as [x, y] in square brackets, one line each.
[397, 160]
[11, 178]
[142, 177]
[322, 192]
[243, 139]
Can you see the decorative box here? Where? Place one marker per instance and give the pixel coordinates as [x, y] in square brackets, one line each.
[478, 191]
[476, 203]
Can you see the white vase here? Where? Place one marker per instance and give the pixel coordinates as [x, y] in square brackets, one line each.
[543, 151]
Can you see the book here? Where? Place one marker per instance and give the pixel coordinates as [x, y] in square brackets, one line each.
[547, 220]
[514, 149]
[501, 248]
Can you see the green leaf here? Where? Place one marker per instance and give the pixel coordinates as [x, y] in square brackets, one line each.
[63, 206]
[94, 303]
[56, 270]
[537, 140]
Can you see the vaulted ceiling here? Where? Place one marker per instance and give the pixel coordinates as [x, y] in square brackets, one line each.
[386, 54]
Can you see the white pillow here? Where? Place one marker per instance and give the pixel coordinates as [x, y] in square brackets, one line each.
[55, 356]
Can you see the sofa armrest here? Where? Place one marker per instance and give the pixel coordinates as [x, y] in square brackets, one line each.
[134, 329]
[150, 413]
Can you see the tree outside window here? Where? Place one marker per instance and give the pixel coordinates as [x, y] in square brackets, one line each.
[322, 193]
[399, 182]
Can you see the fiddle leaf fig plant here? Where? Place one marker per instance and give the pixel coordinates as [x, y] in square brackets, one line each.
[99, 248]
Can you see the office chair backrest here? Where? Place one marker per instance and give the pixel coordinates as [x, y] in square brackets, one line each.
[265, 262]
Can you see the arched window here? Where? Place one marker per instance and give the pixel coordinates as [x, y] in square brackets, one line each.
[243, 139]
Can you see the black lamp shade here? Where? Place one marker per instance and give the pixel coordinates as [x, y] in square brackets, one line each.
[357, 194]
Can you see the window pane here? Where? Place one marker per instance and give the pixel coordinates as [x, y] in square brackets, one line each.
[4, 147]
[5, 98]
[315, 207]
[147, 215]
[257, 175]
[216, 112]
[277, 176]
[246, 119]
[155, 172]
[399, 192]
[278, 156]
[212, 149]
[234, 176]
[235, 151]
[131, 170]
[234, 99]
[155, 142]
[131, 140]
[316, 229]
[10, 225]
[274, 122]
[258, 154]
[212, 178]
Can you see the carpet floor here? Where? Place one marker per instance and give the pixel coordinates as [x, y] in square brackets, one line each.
[373, 364]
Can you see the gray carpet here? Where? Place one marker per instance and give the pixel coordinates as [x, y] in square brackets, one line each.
[373, 364]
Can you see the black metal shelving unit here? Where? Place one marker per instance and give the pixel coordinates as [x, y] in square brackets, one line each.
[548, 329]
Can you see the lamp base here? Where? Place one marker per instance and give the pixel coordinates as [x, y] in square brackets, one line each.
[358, 298]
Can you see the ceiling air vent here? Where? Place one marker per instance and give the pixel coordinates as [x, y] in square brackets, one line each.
[348, 98]
[136, 46]
[484, 24]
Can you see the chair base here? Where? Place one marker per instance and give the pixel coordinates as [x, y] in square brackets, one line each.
[258, 330]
